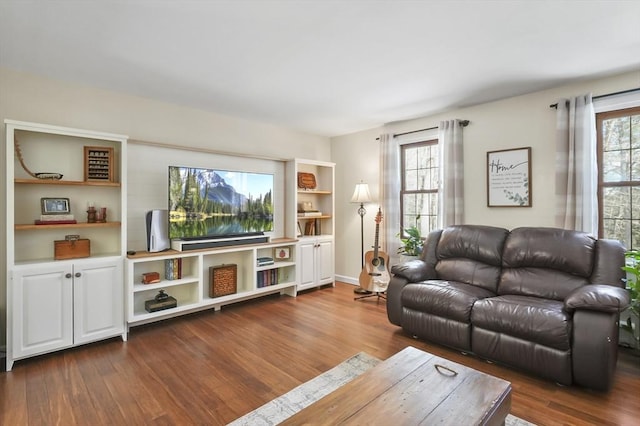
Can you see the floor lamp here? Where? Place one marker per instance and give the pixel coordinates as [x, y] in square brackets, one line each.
[361, 195]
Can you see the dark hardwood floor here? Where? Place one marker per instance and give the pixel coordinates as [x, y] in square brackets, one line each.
[210, 368]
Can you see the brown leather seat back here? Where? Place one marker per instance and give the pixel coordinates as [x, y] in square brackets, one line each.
[471, 254]
[546, 262]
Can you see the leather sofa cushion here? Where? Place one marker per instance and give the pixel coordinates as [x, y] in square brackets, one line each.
[546, 262]
[471, 254]
[529, 318]
[537, 282]
[551, 248]
[446, 299]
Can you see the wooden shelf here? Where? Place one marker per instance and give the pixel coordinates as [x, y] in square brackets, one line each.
[30, 227]
[65, 182]
[324, 216]
[314, 191]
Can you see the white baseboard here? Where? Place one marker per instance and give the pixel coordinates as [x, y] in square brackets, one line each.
[348, 280]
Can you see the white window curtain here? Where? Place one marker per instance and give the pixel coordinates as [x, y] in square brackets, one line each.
[576, 165]
[390, 194]
[451, 207]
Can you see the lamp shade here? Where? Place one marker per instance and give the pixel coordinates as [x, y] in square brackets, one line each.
[361, 193]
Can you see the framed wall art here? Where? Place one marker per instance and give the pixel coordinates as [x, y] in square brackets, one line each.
[509, 178]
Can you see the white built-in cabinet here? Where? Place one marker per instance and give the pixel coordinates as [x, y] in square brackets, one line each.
[316, 262]
[316, 265]
[55, 304]
[59, 305]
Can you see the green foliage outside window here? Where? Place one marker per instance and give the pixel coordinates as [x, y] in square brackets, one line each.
[632, 268]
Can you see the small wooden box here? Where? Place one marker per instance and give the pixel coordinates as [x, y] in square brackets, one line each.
[223, 280]
[98, 163]
[150, 277]
[71, 249]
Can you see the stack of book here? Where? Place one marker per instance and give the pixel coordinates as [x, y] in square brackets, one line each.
[55, 219]
[173, 268]
[264, 261]
[309, 213]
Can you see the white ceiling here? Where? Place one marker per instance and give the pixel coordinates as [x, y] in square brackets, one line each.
[325, 67]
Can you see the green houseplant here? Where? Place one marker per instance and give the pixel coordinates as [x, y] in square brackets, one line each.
[412, 244]
[632, 268]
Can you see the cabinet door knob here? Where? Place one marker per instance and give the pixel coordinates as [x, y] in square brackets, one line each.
[78, 274]
[68, 275]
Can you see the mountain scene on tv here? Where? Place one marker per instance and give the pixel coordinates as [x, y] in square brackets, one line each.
[216, 203]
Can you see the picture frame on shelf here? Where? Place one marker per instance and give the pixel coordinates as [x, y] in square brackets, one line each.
[281, 253]
[55, 206]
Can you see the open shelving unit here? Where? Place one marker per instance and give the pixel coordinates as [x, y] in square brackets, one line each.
[192, 290]
[316, 266]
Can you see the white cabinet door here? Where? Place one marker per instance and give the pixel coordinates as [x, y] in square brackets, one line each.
[324, 262]
[316, 263]
[306, 263]
[98, 300]
[42, 310]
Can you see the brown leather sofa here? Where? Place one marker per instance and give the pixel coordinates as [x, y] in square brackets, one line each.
[544, 300]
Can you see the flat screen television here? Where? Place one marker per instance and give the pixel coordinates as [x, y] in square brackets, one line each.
[212, 203]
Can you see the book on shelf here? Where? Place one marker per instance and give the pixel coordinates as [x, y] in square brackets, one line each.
[309, 213]
[173, 268]
[55, 217]
[268, 277]
[310, 228]
[264, 261]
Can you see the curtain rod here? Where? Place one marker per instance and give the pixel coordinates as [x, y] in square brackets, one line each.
[623, 92]
[463, 123]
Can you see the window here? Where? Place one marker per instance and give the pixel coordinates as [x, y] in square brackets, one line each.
[619, 175]
[420, 182]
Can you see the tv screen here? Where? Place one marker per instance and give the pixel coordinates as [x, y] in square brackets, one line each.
[211, 203]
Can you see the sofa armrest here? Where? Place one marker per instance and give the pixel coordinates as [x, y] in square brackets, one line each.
[413, 271]
[598, 297]
[394, 299]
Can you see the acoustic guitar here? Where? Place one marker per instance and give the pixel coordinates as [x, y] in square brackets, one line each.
[375, 275]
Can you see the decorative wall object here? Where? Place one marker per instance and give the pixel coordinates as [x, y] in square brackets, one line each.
[509, 178]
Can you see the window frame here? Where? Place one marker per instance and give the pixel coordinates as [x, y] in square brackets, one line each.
[600, 118]
[403, 147]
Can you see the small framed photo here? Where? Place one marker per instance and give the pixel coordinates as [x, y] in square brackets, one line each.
[55, 206]
[281, 253]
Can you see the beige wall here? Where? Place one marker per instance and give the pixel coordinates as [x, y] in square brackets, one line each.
[30, 98]
[516, 122]
[521, 121]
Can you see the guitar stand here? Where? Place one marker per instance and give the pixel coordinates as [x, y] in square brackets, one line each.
[378, 294]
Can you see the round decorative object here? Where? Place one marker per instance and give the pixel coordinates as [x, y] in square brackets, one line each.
[161, 296]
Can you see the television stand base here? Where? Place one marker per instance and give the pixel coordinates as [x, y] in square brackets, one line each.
[184, 245]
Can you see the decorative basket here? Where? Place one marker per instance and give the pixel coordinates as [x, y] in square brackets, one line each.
[223, 280]
[306, 180]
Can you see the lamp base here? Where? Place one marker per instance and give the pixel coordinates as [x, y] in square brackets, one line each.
[360, 290]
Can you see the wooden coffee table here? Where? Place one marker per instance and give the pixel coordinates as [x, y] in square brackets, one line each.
[414, 387]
